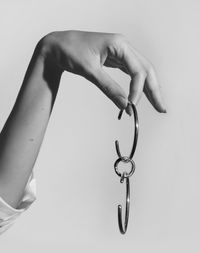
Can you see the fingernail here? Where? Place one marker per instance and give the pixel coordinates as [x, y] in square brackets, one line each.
[135, 99]
[121, 104]
[164, 108]
[129, 110]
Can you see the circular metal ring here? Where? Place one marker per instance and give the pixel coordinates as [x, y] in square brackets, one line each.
[124, 159]
[136, 131]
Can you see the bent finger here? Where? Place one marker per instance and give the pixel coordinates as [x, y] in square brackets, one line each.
[154, 93]
[136, 88]
[110, 87]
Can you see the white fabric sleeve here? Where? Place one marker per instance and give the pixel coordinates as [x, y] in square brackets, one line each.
[8, 214]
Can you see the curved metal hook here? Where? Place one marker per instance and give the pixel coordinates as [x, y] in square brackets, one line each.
[121, 228]
[136, 126]
[125, 175]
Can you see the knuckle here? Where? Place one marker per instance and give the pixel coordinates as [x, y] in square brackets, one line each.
[151, 69]
[141, 72]
[117, 43]
[118, 39]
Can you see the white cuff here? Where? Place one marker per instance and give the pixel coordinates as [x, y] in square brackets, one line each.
[8, 214]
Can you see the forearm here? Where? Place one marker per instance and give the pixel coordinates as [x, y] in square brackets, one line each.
[22, 135]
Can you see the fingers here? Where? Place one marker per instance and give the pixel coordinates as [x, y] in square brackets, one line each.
[138, 76]
[120, 54]
[143, 78]
[136, 87]
[153, 92]
[109, 87]
[135, 90]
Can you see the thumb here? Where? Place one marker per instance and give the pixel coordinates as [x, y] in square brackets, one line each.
[110, 88]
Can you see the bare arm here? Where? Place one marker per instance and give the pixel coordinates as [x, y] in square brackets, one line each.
[22, 135]
[82, 53]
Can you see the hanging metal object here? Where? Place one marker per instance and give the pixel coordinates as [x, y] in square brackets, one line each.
[124, 175]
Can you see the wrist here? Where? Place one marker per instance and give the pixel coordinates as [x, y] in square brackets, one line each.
[48, 51]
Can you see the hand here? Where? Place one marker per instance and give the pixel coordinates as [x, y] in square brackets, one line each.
[84, 53]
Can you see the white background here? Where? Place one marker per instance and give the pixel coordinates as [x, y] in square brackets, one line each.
[77, 188]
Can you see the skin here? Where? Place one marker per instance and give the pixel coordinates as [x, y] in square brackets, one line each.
[79, 52]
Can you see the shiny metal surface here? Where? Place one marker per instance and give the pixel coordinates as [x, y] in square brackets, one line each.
[121, 227]
[125, 175]
[136, 131]
[124, 159]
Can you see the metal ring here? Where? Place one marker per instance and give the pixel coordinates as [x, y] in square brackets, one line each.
[127, 210]
[124, 159]
[136, 126]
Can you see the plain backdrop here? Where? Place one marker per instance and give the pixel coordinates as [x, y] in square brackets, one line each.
[77, 188]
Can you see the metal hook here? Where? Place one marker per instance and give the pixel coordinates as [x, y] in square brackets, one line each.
[125, 175]
[136, 127]
[121, 228]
